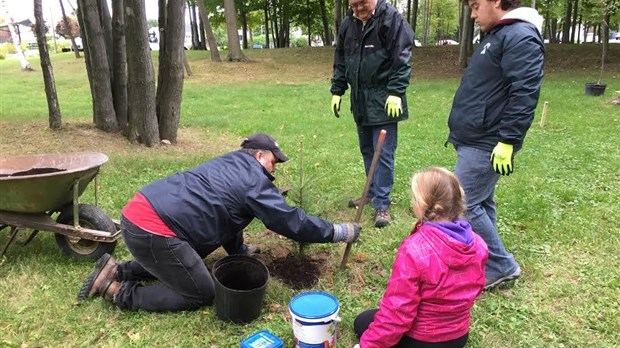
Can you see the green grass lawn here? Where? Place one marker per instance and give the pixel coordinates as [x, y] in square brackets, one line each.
[557, 213]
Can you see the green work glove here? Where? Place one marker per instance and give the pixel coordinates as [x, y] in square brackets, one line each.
[501, 159]
[393, 106]
[336, 105]
[346, 232]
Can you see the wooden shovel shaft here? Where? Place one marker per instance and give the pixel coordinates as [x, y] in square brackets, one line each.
[371, 173]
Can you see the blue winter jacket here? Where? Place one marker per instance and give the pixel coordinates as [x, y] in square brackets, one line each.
[500, 88]
[207, 206]
[375, 59]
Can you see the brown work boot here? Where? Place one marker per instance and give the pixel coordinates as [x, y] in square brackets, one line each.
[382, 218]
[105, 270]
[108, 289]
[356, 203]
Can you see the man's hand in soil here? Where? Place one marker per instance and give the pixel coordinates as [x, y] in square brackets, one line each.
[346, 232]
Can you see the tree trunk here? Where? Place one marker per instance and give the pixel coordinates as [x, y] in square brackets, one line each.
[171, 69]
[70, 33]
[605, 38]
[141, 87]
[574, 22]
[106, 24]
[467, 26]
[326, 34]
[55, 118]
[20, 53]
[234, 48]
[266, 10]
[414, 15]
[337, 19]
[89, 73]
[244, 29]
[566, 24]
[202, 37]
[105, 118]
[215, 54]
[119, 51]
[194, 25]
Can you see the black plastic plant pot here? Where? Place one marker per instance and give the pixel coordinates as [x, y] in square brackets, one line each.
[240, 284]
[595, 89]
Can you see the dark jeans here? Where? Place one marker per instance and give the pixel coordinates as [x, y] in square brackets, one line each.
[183, 280]
[363, 320]
[383, 179]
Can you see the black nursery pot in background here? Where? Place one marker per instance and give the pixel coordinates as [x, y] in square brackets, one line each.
[595, 88]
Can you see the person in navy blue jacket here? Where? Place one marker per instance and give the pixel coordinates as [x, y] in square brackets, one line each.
[492, 111]
[173, 223]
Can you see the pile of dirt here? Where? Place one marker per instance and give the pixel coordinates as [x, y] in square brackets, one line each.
[298, 271]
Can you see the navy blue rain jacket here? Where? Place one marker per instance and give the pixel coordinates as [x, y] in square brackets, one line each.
[209, 205]
[375, 59]
[500, 88]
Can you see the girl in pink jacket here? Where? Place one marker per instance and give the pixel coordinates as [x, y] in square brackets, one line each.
[437, 274]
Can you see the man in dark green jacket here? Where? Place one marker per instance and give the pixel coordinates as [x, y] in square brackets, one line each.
[373, 56]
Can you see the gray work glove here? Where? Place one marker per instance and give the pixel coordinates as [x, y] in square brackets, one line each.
[346, 233]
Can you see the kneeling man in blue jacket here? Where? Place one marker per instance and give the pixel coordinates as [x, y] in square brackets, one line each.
[170, 225]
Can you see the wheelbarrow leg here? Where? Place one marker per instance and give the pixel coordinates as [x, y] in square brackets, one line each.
[14, 231]
[30, 238]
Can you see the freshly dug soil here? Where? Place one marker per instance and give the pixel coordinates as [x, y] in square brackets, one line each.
[298, 272]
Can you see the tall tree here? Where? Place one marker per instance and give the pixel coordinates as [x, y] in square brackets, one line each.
[169, 90]
[337, 18]
[103, 107]
[119, 69]
[466, 38]
[204, 16]
[55, 119]
[326, 37]
[65, 20]
[566, 23]
[143, 126]
[234, 48]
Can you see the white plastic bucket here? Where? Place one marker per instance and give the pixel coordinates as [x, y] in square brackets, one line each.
[315, 319]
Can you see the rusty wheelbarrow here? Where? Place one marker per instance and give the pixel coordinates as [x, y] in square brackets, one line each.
[36, 188]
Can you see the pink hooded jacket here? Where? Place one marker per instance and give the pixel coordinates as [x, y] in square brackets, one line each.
[435, 280]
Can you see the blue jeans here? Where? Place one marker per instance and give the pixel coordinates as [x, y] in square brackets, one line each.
[474, 171]
[383, 178]
[184, 282]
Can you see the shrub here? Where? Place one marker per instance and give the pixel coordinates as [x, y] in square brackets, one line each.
[301, 41]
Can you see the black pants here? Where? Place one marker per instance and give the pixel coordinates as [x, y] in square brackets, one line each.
[183, 280]
[363, 320]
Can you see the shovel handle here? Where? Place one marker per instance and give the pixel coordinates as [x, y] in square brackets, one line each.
[371, 173]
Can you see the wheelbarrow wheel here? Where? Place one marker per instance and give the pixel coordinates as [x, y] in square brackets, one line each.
[91, 217]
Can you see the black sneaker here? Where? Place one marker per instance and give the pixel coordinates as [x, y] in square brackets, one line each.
[382, 218]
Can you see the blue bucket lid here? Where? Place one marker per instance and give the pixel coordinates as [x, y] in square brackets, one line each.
[314, 305]
[262, 339]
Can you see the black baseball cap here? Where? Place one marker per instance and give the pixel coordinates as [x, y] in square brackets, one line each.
[261, 141]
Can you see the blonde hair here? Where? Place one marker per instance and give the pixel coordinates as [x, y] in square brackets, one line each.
[438, 194]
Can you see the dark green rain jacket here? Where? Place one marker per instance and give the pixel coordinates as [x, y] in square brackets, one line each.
[375, 60]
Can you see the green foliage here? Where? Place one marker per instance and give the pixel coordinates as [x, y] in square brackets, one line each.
[301, 41]
[259, 39]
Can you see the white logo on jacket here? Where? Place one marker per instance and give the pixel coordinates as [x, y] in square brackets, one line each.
[369, 46]
[484, 50]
